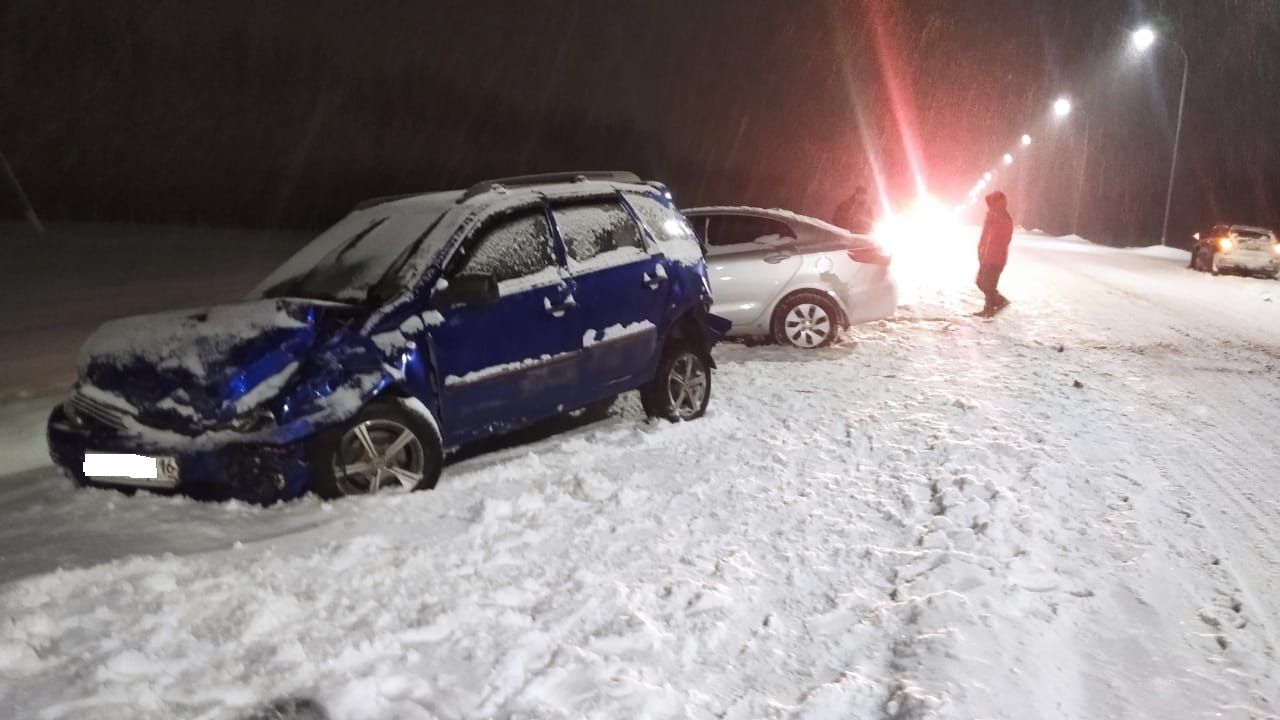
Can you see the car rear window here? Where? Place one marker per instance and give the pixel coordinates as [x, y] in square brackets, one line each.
[1252, 235]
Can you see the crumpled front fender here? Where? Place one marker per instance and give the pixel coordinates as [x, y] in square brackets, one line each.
[340, 377]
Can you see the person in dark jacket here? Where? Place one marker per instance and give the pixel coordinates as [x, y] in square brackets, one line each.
[854, 214]
[993, 252]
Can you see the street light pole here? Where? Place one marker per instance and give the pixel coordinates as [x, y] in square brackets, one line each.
[29, 211]
[1084, 168]
[1062, 107]
[1177, 135]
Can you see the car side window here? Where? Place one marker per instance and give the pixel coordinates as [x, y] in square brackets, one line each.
[517, 246]
[670, 230]
[592, 229]
[741, 229]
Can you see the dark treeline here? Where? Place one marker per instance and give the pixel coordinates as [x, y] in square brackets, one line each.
[274, 113]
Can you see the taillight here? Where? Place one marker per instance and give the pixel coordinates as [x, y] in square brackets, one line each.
[869, 255]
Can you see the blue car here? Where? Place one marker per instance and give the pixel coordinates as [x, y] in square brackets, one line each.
[415, 324]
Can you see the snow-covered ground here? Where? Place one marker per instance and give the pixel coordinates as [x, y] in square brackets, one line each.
[1067, 512]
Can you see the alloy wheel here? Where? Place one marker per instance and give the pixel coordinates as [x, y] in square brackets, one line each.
[687, 385]
[807, 325]
[376, 455]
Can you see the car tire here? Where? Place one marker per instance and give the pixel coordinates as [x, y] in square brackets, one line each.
[807, 320]
[681, 388]
[392, 447]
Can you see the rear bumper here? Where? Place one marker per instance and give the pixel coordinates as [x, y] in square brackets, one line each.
[876, 299]
[1260, 261]
[258, 473]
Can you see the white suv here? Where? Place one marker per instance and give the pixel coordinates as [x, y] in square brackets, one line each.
[1238, 249]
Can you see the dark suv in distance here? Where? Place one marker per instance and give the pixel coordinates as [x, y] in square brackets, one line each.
[414, 324]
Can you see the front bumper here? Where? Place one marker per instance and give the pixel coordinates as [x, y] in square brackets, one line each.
[253, 472]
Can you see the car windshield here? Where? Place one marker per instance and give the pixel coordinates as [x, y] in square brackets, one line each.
[358, 260]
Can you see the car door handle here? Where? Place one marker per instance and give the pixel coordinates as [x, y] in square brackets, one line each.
[654, 281]
[776, 258]
[559, 310]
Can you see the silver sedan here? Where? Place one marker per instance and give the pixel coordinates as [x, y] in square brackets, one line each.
[793, 278]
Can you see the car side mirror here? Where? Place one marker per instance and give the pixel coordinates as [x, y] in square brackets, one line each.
[465, 289]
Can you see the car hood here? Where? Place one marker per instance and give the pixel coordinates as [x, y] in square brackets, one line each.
[192, 370]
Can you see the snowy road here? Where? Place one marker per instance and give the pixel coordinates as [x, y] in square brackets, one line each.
[1068, 512]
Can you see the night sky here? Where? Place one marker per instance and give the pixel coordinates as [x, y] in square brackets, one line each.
[280, 114]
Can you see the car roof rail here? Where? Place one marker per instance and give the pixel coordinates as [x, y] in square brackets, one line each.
[485, 186]
[371, 202]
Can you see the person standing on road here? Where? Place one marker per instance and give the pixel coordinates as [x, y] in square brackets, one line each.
[854, 214]
[993, 252]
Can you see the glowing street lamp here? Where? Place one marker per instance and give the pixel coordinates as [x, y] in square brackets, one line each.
[1008, 159]
[1143, 38]
[1062, 107]
[986, 178]
[1026, 140]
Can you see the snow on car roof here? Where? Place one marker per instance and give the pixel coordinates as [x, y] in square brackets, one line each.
[474, 208]
[451, 211]
[777, 213]
[1250, 228]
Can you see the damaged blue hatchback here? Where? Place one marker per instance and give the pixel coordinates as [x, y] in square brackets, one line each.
[415, 324]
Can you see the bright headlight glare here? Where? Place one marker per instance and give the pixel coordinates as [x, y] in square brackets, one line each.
[1225, 244]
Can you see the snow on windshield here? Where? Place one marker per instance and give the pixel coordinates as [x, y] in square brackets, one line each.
[348, 259]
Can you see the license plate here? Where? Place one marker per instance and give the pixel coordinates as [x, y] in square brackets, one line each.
[133, 470]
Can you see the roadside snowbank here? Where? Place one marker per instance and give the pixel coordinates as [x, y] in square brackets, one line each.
[1162, 252]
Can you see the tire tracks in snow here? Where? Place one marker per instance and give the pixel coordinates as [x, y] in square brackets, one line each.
[1213, 392]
